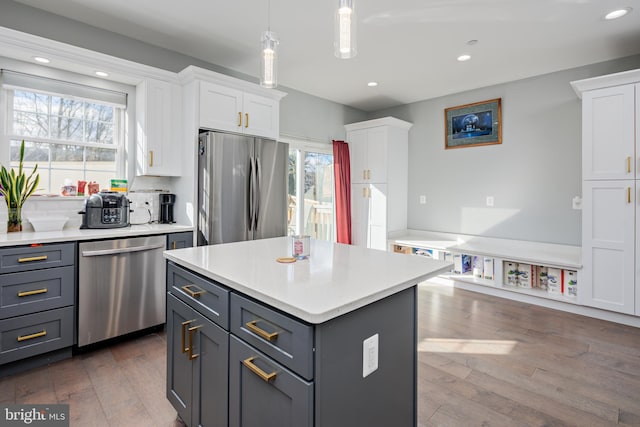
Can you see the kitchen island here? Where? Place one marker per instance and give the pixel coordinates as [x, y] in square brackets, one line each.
[326, 341]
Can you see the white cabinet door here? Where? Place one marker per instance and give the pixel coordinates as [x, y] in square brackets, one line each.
[377, 216]
[359, 215]
[358, 155]
[158, 118]
[377, 161]
[261, 116]
[608, 149]
[608, 240]
[220, 107]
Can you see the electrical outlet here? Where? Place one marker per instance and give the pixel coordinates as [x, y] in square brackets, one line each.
[422, 200]
[369, 355]
[490, 201]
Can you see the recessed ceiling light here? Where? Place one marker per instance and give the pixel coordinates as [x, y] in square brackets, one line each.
[464, 57]
[41, 59]
[102, 74]
[618, 13]
[372, 84]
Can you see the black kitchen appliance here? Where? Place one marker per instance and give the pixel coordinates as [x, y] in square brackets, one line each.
[166, 208]
[106, 209]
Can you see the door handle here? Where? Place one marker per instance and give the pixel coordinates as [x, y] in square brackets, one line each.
[151, 158]
[250, 193]
[629, 164]
[256, 203]
[191, 331]
[239, 118]
[253, 327]
[118, 251]
[34, 292]
[248, 362]
[246, 120]
[32, 336]
[192, 293]
[628, 194]
[184, 333]
[33, 258]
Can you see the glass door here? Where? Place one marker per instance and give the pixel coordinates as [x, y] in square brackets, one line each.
[311, 192]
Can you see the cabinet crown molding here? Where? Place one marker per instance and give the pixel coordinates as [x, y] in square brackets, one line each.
[609, 80]
[384, 121]
[192, 73]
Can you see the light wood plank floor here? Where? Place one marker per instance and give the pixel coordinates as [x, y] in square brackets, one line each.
[483, 361]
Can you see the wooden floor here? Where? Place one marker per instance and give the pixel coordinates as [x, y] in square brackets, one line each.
[482, 361]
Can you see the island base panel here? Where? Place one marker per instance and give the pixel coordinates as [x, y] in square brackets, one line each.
[387, 396]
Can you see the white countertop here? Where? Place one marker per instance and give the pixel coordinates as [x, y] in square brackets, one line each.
[335, 280]
[551, 254]
[75, 234]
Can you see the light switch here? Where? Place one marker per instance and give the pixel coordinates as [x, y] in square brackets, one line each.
[423, 200]
[369, 355]
[490, 201]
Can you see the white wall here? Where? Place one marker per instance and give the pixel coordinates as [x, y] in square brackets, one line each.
[533, 174]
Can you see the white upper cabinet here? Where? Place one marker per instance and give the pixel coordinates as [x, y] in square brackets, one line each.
[228, 104]
[158, 124]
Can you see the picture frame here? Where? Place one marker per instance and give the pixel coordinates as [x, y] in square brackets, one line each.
[472, 125]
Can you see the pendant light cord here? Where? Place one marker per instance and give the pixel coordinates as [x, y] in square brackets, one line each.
[269, 15]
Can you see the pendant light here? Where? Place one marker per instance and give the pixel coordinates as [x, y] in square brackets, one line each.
[345, 30]
[269, 56]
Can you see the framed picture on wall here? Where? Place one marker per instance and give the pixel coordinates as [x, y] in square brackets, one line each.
[474, 124]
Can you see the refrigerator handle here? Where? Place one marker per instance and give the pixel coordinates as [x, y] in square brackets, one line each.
[250, 193]
[257, 192]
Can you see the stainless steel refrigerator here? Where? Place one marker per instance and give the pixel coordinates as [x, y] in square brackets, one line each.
[242, 188]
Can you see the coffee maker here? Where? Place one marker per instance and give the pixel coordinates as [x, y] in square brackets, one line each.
[166, 208]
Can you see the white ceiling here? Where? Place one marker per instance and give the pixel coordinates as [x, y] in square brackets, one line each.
[408, 46]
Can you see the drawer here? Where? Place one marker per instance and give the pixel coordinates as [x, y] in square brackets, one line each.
[25, 258]
[199, 293]
[281, 337]
[32, 291]
[33, 334]
[262, 393]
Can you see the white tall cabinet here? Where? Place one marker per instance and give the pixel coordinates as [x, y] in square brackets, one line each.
[610, 170]
[378, 150]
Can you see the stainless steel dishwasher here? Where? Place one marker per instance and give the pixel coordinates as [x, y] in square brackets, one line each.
[121, 287]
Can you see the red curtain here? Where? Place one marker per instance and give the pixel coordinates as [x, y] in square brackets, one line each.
[342, 178]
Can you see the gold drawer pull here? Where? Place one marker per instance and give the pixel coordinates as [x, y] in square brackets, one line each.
[34, 292]
[32, 336]
[628, 194]
[192, 293]
[173, 245]
[33, 258]
[259, 372]
[191, 331]
[264, 334]
[184, 333]
[629, 164]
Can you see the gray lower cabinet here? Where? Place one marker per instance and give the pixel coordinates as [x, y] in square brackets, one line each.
[37, 303]
[263, 393]
[180, 240]
[197, 366]
[273, 370]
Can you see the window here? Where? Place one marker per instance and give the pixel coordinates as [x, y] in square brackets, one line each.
[310, 179]
[72, 126]
[68, 138]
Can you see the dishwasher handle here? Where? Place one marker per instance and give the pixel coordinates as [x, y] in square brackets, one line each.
[117, 251]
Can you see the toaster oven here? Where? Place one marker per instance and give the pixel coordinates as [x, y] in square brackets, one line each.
[106, 209]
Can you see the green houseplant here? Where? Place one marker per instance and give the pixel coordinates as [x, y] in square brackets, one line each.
[16, 189]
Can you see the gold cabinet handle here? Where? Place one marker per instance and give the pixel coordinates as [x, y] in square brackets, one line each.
[628, 194]
[32, 336]
[150, 157]
[246, 120]
[240, 118]
[34, 292]
[184, 333]
[364, 174]
[173, 245]
[259, 372]
[629, 164]
[368, 173]
[191, 292]
[191, 331]
[33, 258]
[261, 332]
